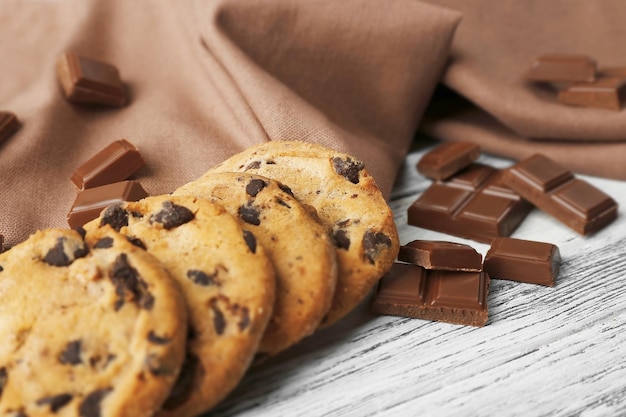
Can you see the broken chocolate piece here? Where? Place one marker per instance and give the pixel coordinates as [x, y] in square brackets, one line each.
[555, 190]
[86, 80]
[8, 125]
[604, 93]
[115, 163]
[373, 243]
[89, 203]
[523, 261]
[447, 159]
[442, 255]
[172, 215]
[562, 68]
[449, 296]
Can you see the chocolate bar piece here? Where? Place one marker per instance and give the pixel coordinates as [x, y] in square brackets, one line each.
[89, 81]
[449, 296]
[562, 68]
[555, 190]
[612, 72]
[604, 93]
[523, 261]
[89, 203]
[432, 254]
[474, 204]
[8, 125]
[116, 162]
[447, 159]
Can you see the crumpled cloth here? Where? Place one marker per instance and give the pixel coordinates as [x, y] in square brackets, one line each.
[486, 99]
[206, 79]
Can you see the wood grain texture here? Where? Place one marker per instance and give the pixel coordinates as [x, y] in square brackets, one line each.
[545, 351]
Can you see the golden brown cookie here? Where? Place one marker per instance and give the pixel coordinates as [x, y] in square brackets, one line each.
[87, 330]
[348, 202]
[227, 280]
[299, 247]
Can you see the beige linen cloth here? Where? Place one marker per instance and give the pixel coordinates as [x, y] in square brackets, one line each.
[208, 78]
[493, 47]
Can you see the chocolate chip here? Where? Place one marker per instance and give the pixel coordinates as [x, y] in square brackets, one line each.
[90, 407]
[71, 354]
[282, 203]
[255, 186]
[115, 216]
[1, 268]
[348, 168]
[125, 278]
[202, 278]
[57, 256]
[4, 378]
[81, 231]
[218, 318]
[172, 215]
[183, 387]
[55, 402]
[245, 319]
[135, 241]
[373, 243]
[253, 165]
[341, 238]
[104, 243]
[157, 340]
[285, 189]
[249, 214]
[250, 240]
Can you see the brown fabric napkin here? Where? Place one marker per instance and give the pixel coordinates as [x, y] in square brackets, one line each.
[494, 46]
[207, 79]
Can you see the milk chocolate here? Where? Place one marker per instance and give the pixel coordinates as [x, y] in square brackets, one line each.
[8, 125]
[86, 80]
[604, 93]
[555, 190]
[450, 256]
[449, 296]
[523, 261]
[90, 202]
[562, 68]
[447, 159]
[116, 162]
[474, 204]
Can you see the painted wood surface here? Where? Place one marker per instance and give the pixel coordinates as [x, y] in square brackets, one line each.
[545, 351]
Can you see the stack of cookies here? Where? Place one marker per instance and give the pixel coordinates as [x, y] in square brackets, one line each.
[158, 307]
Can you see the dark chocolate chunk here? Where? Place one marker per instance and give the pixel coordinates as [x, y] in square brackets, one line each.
[555, 190]
[253, 165]
[115, 216]
[348, 168]
[71, 353]
[183, 387]
[373, 243]
[104, 243]
[81, 231]
[158, 340]
[249, 214]
[202, 278]
[8, 125]
[474, 204]
[172, 215]
[136, 242]
[218, 318]
[447, 159]
[90, 407]
[90, 202]
[115, 163]
[244, 322]
[341, 239]
[523, 261]
[89, 81]
[4, 378]
[55, 402]
[450, 296]
[57, 256]
[250, 240]
[255, 186]
[125, 278]
[449, 256]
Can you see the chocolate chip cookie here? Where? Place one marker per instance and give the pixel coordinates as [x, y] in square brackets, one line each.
[348, 202]
[299, 247]
[90, 327]
[226, 278]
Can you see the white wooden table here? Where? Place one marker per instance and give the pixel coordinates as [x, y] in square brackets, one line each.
[544, 352]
